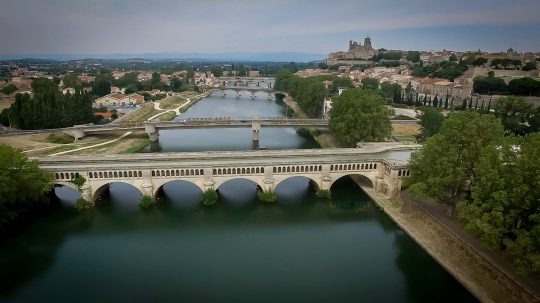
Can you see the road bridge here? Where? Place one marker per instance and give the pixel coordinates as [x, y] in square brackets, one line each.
[208, 170]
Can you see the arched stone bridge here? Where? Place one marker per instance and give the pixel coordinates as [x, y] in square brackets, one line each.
[239, 90]
[208, 170]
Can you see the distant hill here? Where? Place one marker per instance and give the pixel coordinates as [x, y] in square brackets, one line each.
[270, 56]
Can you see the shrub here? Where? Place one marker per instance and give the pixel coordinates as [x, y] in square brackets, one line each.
[324, 194]
[60, 138]
[267, 196]
[81, 204]
[210, 197]
[146, 202]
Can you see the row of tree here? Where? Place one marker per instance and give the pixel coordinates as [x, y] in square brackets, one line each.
[308, 92]
[525, 86]
[49, 108]
[489, 180]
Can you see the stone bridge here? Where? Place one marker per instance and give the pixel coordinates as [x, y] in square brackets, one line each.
[239, 90]
[209, 170]
[152, 128]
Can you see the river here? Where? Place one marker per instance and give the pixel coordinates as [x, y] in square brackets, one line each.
[300, 249]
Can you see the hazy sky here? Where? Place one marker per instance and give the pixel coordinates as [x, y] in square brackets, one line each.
[212, 26]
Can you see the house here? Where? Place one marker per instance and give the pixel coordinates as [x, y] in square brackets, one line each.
[117, 99]
[118, 74]
[69, 90]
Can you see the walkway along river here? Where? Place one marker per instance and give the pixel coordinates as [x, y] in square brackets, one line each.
[300, 249]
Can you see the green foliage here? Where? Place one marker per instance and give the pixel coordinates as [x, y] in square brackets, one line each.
[81, 204]
[339, 82]
[283, 78]
[146, 202]
[529, 66]
[8, 89]
[453, 58]
[489, 85]
[515, 114]
[49, 108]
[217, 71]
[360, 115]
[413, 56]
[505, 210]
[22, 184]
[385, 55]
[431, 121]
[308, 92]
[444, 168]
[323, 194]
[267, 196]
[210, 197]
[4, 117]
[101, 87]
[524, 87]
[78, 180]
[504, 63]
[446, 70]
[60, 138]
[370, 83]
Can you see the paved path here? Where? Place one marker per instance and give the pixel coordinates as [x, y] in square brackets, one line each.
[92, 146]
[157, 106]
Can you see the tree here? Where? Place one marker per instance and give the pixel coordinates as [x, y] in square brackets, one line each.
[480, 61]
[101, 87]
[360, 115]
[529, 66]
[370, 83]
[413, 56]
[430, 121]
[217, 71]
[515, 113]
[444, 168]
[489, 85]
[338, 82]
[524, 87]
[282, 80]
[453, 58]
[22, 184]
[504, 204]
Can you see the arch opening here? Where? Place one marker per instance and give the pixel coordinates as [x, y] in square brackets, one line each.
[238, 191]
[180, 193]
[296, 189]
[65, 194]
[120, 194]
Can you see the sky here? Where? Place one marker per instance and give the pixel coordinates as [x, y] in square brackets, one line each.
[222, 26]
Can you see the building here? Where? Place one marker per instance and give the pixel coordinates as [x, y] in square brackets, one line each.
[254, 73]
[356, 51]
[117, 99]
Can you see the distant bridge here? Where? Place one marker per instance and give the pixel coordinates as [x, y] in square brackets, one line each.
[209, 170]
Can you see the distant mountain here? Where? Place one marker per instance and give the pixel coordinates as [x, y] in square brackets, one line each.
[270, 56]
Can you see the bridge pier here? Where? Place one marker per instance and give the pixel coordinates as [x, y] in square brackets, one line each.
[152, 132]
[86, 193]
[147, 189]
[270, 96]
[253, 95]
[76, 133]
[256, 129]
[238, 94]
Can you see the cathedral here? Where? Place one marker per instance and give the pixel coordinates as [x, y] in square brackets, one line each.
[356, 51]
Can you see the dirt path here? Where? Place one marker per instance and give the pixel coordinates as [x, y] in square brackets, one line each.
[92, 146]
[479, 275]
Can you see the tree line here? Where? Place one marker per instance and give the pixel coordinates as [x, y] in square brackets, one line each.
[49, 108]
[489, 179]
[490, 85]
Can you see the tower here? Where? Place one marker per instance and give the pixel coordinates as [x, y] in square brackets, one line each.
[367, 43]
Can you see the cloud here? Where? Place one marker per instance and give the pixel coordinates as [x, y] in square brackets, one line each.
[234, 25]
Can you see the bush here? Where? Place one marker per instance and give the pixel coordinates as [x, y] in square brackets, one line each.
[8, 89]
[146, 202]
[60, 138]
[81, 204]
[210, 197]
[267, 196]
[323, 194]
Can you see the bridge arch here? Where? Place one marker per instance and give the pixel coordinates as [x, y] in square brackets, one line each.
[98, 191]
[363, 179]
[313, 181]
[220, 181]
[64, 193]
[158, 187]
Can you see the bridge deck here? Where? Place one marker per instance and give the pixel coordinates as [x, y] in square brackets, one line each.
[204, 159]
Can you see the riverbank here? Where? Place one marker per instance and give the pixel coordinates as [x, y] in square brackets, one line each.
[483, 278]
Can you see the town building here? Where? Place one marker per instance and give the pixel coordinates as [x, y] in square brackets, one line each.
[357, 54]
[117, 99]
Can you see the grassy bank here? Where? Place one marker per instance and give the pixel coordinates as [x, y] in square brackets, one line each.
[137, 147]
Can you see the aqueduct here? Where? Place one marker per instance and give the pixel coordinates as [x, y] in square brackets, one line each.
[208, 170]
